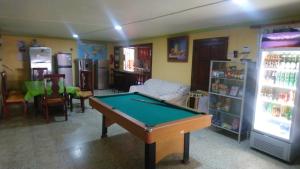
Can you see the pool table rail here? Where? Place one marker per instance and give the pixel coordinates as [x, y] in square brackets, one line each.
[154, 133]
[173, 128]
[194, 111]
[160, 140]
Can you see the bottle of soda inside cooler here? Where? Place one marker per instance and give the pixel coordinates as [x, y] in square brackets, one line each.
[282, 78]
[267, 61]
[284, 61]
[269, 107]
[294, 79]
[291, 96]
[273, 77]
[288, 113]
[297, 62]
[281, 61]
[289, 61]
[286, 81]
[291, 83]
[293, 62]
[277, 78]
[275, 61]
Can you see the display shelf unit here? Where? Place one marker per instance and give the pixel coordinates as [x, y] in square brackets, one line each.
[231, 96]
[224, 95]
[226, 78]
[217, 126]
[226, 113]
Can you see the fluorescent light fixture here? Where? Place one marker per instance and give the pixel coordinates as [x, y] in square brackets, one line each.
[240, 2]
[118, 27]
[75, 36]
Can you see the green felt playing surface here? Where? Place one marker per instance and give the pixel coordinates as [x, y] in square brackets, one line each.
[145, 109]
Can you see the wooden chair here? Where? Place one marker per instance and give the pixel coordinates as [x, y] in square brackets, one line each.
[86, 87]
[9, 98]
[54, 98]
[38, 73]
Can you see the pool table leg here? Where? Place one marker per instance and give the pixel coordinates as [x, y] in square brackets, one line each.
[104, 128]
[150, 155]
[186, 148]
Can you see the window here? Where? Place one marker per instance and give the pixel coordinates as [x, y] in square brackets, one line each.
[129, 59]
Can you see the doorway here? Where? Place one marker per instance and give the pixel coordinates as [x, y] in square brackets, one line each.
[205, 50]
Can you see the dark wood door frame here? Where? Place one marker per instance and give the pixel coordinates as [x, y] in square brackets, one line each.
[205, 50]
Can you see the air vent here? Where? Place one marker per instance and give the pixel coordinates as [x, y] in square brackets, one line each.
[270, 148]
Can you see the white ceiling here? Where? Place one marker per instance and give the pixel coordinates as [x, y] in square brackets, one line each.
[95, 19]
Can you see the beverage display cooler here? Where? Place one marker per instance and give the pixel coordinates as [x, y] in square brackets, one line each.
[276, 124]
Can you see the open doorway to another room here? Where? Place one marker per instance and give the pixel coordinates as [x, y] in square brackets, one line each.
[132, 66]
[128, 63]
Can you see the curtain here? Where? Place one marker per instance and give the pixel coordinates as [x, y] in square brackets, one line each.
[144, 54]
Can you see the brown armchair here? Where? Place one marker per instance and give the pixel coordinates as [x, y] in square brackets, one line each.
[54, 98]
[86, 87]
[9, 98]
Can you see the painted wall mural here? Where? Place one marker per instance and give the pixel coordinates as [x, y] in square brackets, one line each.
[94, 51]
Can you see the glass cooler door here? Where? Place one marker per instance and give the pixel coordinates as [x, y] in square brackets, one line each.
[276, 92]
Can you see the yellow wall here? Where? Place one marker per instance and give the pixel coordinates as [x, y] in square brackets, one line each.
[181, 72]
[18, 70]
[161, 68]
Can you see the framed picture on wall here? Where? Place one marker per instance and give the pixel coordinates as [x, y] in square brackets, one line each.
[178, 49]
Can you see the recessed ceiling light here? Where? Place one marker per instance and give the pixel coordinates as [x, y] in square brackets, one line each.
[118, 27]
[240, 2]
[75, 36]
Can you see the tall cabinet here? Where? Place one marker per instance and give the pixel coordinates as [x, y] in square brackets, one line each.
[231, 96]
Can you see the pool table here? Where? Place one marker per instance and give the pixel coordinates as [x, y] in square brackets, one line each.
[164, 127]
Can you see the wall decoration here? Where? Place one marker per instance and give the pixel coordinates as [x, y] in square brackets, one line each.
[178, 49]
[95, 51]
[23, 50]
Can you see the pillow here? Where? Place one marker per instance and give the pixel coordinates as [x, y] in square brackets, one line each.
[183, 90]
[158, 88]
[153, 86]
[168, 88]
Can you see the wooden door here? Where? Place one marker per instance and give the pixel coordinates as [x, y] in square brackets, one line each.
[205, 50]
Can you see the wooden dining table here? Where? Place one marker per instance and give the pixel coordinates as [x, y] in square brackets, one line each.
[35, 88]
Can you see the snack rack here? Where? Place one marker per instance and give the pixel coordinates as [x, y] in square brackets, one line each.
[231, 96]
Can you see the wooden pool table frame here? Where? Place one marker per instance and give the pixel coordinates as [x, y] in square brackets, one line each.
[161, 140]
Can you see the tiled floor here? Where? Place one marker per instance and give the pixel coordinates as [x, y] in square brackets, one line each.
[30, 143]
